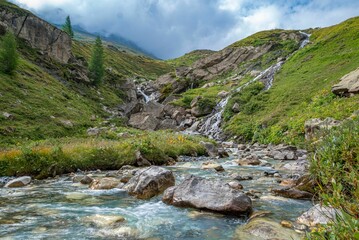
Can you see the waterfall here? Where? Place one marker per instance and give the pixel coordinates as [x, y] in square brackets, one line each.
[306, 40]
[147, 98]
[212, 125]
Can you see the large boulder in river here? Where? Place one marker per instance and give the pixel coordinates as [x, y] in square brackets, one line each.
[263, 228]
[150, 182]
[348, 85]
[19, 182]
[212, 195]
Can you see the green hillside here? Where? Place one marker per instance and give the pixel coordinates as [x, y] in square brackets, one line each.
[302, 88]
[189, 58]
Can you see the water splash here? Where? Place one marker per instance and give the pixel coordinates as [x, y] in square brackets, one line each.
[145, 96]
[212, 126]
[306, 40]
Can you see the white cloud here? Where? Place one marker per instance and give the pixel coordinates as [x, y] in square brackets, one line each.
[170, 28]
[230, 5]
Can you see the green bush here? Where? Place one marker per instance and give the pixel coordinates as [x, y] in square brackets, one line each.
[335, 166]
[8, 55]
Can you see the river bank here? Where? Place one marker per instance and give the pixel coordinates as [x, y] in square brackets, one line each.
[64, 208]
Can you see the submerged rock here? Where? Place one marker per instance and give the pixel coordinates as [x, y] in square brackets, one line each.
[212, 165]
[19, 182]
[103, 220]
[263, 228]
[150, 182]
[105, 183]
[248, 162]
[123, 232]
[212, 195]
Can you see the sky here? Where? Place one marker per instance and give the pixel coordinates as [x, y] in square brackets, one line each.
[171, 28]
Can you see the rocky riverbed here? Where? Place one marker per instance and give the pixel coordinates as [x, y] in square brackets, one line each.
[237, 197]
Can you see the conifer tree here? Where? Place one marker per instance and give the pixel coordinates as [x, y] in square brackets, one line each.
[8, 55]
[67, 27]
[96, 66]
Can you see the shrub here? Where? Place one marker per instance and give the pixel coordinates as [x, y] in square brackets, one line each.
[8, 54]
[335, 166]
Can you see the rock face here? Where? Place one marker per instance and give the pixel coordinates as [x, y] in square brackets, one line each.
[263, 228]
[39, 34]
[317, 215]
[19, 182]
[215, 64]
[212, 195]
[150, 182]
[348, 85]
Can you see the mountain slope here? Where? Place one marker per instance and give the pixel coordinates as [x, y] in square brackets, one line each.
[46, 98]
[302, 88]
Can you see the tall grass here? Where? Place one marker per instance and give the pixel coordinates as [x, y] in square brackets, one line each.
[335, 166]
[50, 158]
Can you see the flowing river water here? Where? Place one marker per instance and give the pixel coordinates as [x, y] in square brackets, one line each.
[58, 208]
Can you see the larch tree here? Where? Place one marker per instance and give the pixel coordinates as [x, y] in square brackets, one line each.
[67, 27]
[96, 66]
[9, 57]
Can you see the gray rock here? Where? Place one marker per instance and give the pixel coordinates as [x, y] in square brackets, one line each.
[317, 215]
[141, 161]
[197, 112]
[144, 121]
[94, 131]
[223, 94]
[19, 182]
[168, 124]
[213, 195]
[7, 115]
[348, 85]
[315, 126]
[105, 183]
[86, 180]
[39, 34]
[265, 229]
[66, 123]
[211, 149]
[235, 185]
[195, 101]
[242, 178]
[292, 193]
[236, 108]
[150, 182]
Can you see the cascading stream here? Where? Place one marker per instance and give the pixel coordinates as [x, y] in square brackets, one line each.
[145, 97]
[212, 125]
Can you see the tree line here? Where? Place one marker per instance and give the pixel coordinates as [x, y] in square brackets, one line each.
[9, 57]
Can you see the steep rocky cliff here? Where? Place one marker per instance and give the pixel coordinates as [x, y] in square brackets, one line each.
[47, 39]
